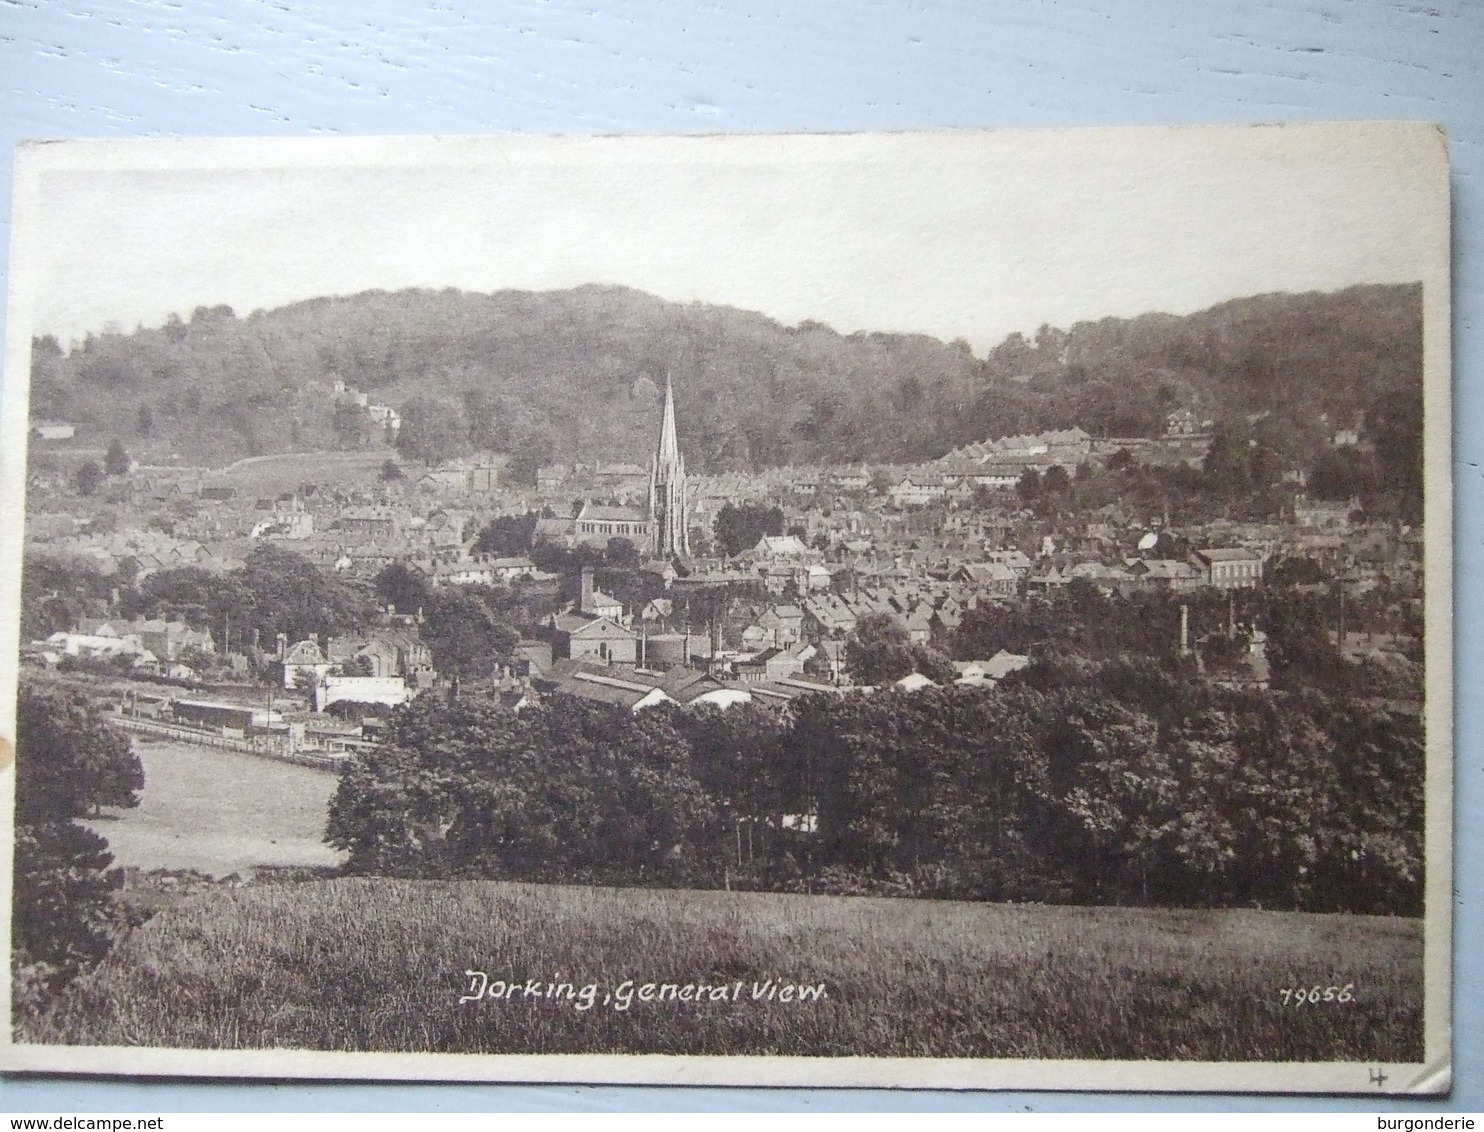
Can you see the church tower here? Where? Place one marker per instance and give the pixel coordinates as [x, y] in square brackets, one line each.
[668, 536]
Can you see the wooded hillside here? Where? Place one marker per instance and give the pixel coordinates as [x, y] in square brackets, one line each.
[557, 375]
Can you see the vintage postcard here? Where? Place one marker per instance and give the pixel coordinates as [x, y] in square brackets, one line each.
[963, 609]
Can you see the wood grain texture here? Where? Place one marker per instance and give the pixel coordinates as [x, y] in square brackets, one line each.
[124, 68]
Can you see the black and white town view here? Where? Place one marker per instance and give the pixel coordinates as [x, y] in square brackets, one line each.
[579, 671]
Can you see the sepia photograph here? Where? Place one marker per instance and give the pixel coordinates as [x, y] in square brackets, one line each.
[965, 609]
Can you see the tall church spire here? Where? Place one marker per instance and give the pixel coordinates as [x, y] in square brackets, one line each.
[668, 454]
[668, 536]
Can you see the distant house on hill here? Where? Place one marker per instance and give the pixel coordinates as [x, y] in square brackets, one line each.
[1317, 514]
[806, 484]
[368, 524]
[639, 690]
[915, 492]
[466, 572]
[100, 644]
[303, 661]
[385, 653]
[1165, 573]
[1182, 422]
[624, 481]
[449, 479]
[993, 578]
[1229, 567]
[783, 624]
[991, 671]
[551, 477]
[913, 682]
[168, 639]
[657, 611]
[1015, 559]
[508, 569]
[53, 430]
[385, 416]
[472, 475]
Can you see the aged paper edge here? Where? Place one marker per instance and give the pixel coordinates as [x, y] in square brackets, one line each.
[1432, 1076]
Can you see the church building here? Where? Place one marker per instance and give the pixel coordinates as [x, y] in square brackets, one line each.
[668, 534]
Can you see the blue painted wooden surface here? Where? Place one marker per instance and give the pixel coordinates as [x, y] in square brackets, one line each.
[121, 68]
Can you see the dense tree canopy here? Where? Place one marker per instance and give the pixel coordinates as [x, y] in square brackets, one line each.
[55, 592]
[878, 651]
[277, 592]
[507, 536]
[1121, 784]
[740, 526]
[464, 635]
[470, 789]
[401, 587]
[432, 430]
[1114, 769]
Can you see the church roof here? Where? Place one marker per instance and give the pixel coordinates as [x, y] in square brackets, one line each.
[594, 511]
[576, 625]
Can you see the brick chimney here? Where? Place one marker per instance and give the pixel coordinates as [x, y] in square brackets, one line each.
[586, 604]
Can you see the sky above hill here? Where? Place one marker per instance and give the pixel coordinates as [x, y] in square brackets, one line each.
[958, 234]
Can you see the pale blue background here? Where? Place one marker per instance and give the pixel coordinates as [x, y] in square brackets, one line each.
[120, 68]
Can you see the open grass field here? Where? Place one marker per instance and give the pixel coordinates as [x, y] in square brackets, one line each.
[269, 475]
[220, 812]
[374, 964]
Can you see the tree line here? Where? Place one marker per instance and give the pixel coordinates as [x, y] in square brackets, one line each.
[1123, 781]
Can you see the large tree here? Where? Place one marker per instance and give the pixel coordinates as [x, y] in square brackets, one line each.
[465, 637]
[89, 477]
[71, 762]
[507, 536]
[293, 596]
[403, 588]
[68, 763]
[878, 651]
[116, 460]
[61, 916]
[740, 526]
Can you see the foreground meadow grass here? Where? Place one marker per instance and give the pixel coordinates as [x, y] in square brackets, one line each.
[375, 964]
[220, 812]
